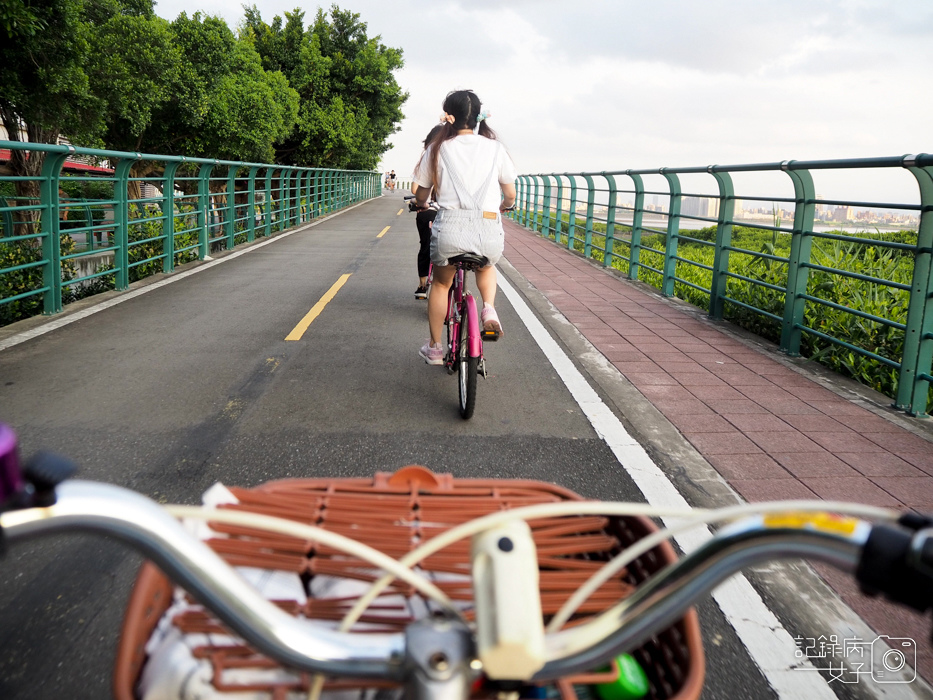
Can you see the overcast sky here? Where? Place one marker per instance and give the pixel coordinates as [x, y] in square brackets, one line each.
[593, 85]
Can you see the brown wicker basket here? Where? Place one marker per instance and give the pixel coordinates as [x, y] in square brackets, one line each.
[394, 513]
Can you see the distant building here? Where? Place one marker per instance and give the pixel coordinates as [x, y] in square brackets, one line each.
[77, 163]
[843, 213]
[705, 207]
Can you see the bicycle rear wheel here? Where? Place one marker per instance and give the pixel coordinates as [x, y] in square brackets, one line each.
[467, 367]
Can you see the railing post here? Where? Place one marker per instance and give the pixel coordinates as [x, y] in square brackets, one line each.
[296, 196]
[307, 190]
[121, 221]
[917, 359]
[673, 233]
[51, 241]
[285, 196]
[318, 194]
[299, 189]
[723, 239]
[609, 250]
[524, 194]
[546, 180]
[285, 187]
[301, 192]
[535, 218]
[168, 214]
[559, 214]
[267, 205]
[282, 211]
[638, 213]
[588, 231]
[329, 190]
[230, 214]
[529, 204]
[798, 273]
[251, 204]
[204, 201]
[572, 221]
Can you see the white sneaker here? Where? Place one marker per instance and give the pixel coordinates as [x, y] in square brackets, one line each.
[432, 354]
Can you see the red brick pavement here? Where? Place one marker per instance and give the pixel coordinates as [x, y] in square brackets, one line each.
[770, 431]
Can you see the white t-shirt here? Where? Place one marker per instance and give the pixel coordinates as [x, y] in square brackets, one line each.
[472, 156]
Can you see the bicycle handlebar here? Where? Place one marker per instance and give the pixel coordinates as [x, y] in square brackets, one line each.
[665, 597]
[145, 526]
[896, 560]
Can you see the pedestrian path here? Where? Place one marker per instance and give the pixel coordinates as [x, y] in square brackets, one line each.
[772, 427]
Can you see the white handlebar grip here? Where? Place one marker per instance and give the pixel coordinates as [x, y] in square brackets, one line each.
[510, 631]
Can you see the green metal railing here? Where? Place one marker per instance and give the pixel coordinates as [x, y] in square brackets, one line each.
[194, 206]
[848, 298]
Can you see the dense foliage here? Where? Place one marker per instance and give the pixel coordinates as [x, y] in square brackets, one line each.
[111, 73]
[350, 102]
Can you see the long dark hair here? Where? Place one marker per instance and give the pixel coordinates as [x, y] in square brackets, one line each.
[464, 106]
[435, 130]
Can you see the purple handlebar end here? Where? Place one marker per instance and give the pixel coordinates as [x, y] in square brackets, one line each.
[11, 478]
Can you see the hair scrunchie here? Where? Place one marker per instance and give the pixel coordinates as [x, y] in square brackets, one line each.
[482, 116]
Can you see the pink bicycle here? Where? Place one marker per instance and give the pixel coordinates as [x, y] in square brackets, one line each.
[465, 334]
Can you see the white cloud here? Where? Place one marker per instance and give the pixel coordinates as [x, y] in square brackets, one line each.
[613, 84]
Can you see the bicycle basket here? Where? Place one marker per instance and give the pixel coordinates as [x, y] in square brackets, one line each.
[392, 513]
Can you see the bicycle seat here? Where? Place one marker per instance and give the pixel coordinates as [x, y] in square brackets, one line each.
[469, 261]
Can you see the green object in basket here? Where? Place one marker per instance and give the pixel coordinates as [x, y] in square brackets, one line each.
[631, 685]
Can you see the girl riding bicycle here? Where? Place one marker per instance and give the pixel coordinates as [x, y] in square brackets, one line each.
[462, 164]
[424, 220]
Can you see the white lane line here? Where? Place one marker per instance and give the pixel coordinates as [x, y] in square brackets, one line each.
[769, 645]
[173, 277]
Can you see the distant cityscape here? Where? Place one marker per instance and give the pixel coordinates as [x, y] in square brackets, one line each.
[708, 208]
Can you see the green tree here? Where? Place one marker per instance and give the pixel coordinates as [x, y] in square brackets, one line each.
[110, 72]
[225, 104]
[190, 88]
[18, 19]
[44, 87]
[134, 69]
[350, 100]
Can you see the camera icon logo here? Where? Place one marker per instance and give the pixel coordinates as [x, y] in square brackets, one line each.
[893, 659]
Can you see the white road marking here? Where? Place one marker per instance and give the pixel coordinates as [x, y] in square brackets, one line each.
[769, 645]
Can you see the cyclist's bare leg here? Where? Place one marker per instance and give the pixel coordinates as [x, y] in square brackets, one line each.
[437, 301]
[486, 284]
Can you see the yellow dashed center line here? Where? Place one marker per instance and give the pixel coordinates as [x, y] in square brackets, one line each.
[383, 232]
[315, 311]
[400, 211]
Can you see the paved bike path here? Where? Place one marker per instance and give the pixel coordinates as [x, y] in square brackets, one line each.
[772, 427]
